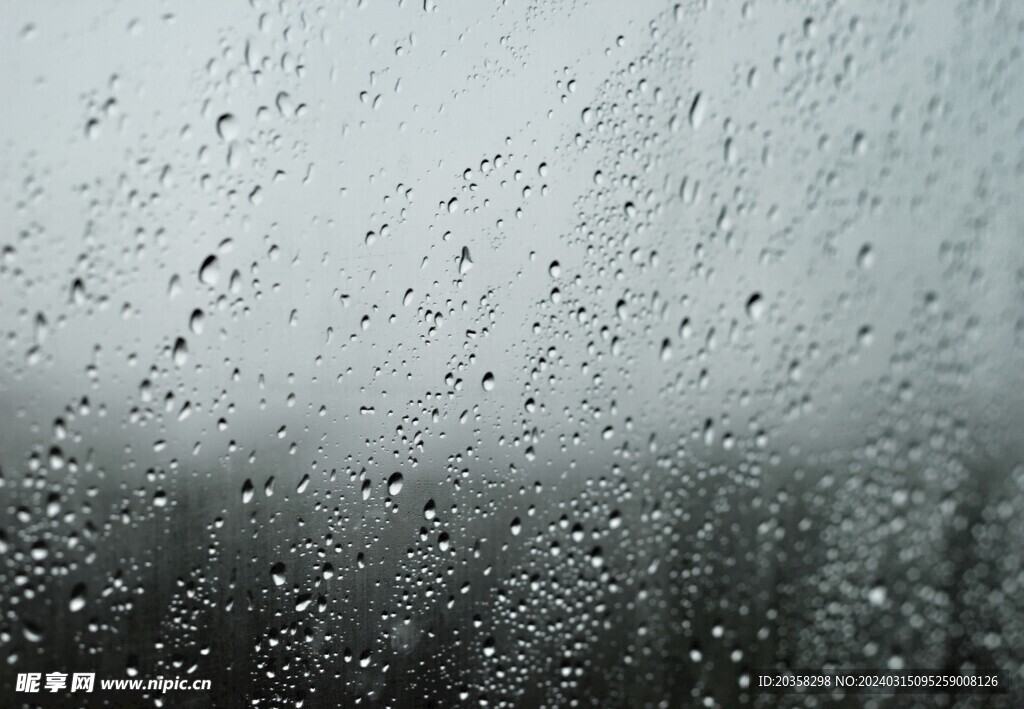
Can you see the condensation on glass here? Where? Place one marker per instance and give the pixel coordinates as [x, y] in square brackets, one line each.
[504, 354]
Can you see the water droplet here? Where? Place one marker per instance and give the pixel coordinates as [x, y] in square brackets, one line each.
[195, 322]
[247, 491]
[865, 336]
[859, 144]
[227, 127]
[77, 601]
[395, 484]
[180, 354]
[465, 261]
[755, 307]
[698, 110]
[277, 573]
[866, 257]
[32, 633]
[209, 271]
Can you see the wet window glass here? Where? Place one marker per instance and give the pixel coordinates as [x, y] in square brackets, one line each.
[552, 354]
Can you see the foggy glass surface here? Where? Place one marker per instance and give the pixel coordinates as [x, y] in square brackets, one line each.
[510, 354]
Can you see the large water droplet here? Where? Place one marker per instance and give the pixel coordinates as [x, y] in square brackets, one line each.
[395, 484]
[866, 257]
[195, 322]
[209, 271]
[180, 354]
[277, 573]
[227, 127]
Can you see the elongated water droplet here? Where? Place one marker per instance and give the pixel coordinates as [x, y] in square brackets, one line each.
[465, 262]
[698, 109]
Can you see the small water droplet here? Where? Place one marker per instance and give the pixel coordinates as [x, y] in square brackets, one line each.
[865, 336]
[755, 307]
[866, 257]
[77, 601]
[698, 110]
[465, 261]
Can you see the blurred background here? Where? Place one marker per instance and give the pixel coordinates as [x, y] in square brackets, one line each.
[545, 354]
